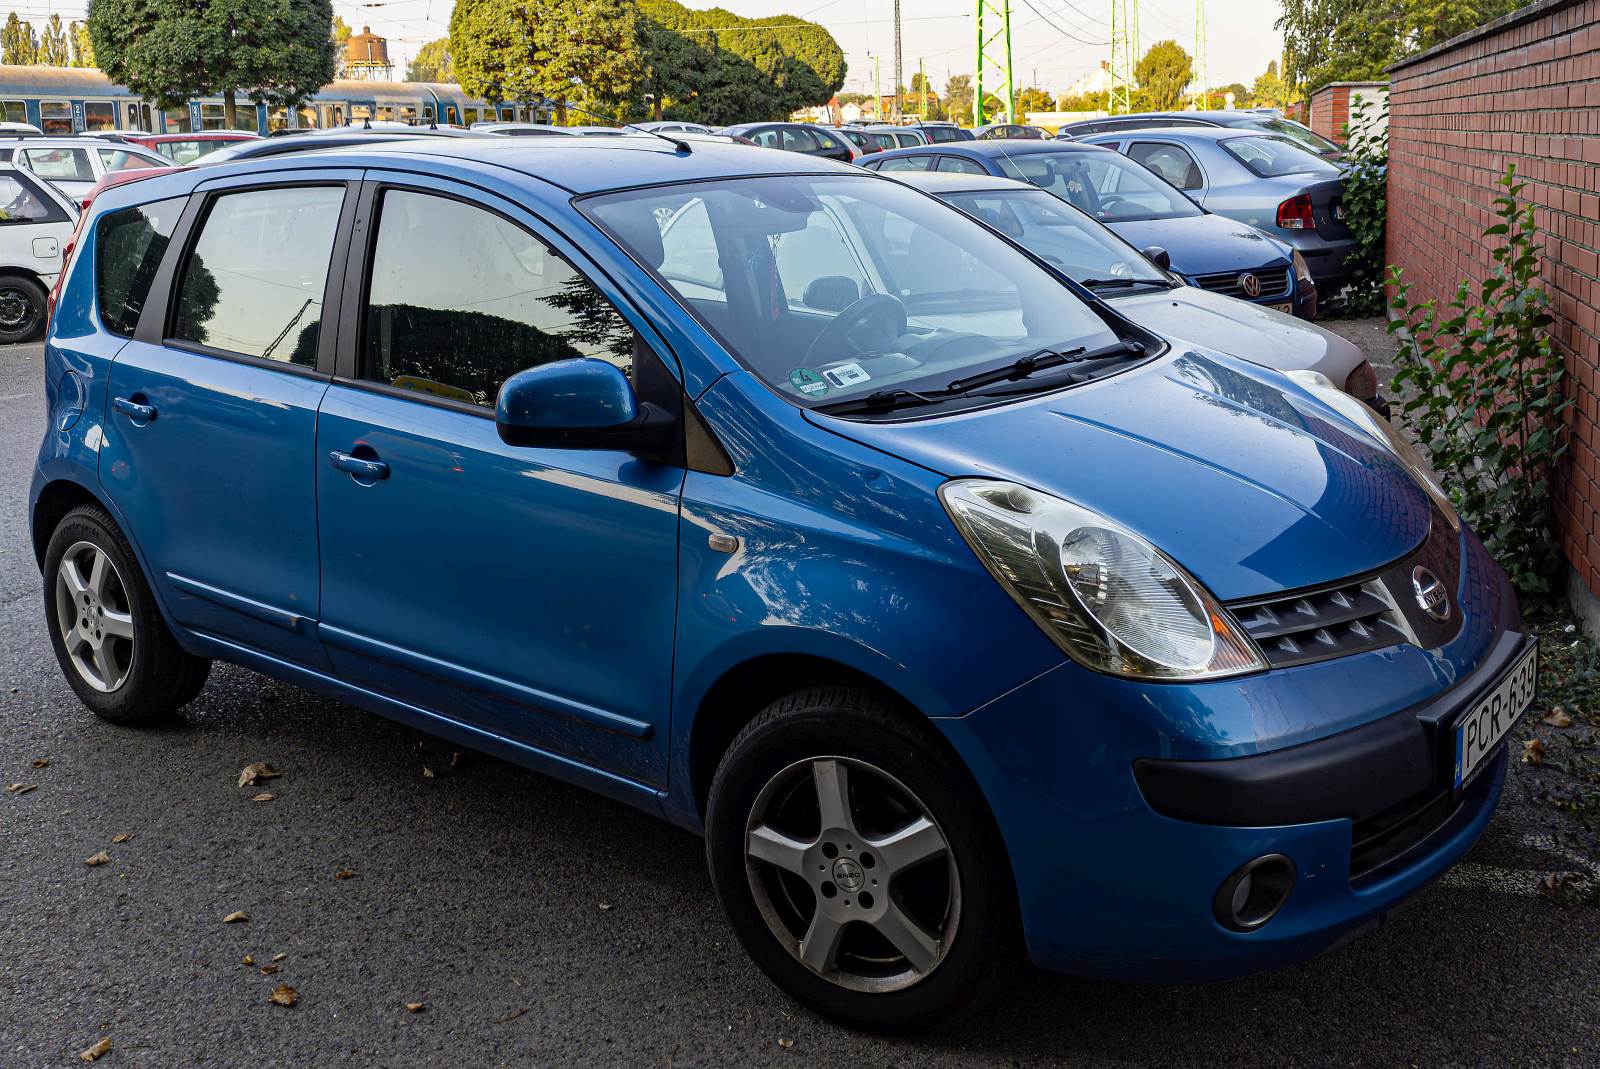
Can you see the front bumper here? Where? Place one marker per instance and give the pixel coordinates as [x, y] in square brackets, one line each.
[1111, 886]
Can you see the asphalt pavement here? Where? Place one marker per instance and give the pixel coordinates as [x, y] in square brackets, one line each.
[538, 924]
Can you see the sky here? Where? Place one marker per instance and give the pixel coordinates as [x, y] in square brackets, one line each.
[1053, 42]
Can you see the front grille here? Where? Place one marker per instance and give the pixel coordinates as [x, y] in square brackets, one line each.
[1274, 282]
[1318, 624]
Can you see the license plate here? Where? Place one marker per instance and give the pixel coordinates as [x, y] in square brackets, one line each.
[1338, 212]
[1287, 309]
[1481, 728]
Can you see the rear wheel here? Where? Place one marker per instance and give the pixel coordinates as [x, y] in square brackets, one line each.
[22, 309]
[113, 645]
[857, 863]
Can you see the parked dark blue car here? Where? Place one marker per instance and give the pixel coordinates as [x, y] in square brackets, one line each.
[1210, 251]
[962, 615]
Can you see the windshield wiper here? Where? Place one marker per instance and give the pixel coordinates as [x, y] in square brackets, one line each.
[1021, 368]
[1122, 283]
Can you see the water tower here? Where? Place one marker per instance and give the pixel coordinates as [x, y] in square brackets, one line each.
[366, 57]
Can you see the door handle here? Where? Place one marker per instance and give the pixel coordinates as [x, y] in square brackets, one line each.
[139, 413]
[360, 467]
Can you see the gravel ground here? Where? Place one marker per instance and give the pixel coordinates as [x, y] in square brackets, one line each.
[539, 924]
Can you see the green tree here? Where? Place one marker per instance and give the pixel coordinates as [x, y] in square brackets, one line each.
[958, 97]
[1033, 99]
[82, 47]
[583, 51]
[1270, 90]
[53, 50]
[432, 63]
[18, 43]
[170, 51]
[1084, 102]
[341, 40]
[1241, 95]
[1164, 73]
[1357, 40]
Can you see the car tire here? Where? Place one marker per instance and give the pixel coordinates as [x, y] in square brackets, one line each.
[861, 878]
[22, 309]
[113, 646]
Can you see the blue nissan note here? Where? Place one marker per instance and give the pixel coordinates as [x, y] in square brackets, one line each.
[965, 618]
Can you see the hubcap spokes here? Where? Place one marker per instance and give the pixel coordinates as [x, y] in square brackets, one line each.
[14, 309]
[853, 872]
[92, 611]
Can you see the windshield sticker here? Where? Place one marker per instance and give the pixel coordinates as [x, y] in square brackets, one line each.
[807, 382]
[846, 375]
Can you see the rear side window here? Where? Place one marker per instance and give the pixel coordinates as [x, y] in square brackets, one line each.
[906, 163]
[254, 280]
[129, 245]
[21, 202]
[1170, 161]
[59, 164]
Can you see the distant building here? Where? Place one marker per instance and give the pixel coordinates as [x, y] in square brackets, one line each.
[1098, 80]
[366, 57]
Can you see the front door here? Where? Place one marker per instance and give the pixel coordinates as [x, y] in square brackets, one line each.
[530, 592]
[209, 440]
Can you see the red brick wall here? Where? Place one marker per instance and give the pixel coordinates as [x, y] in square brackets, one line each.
[1330, 110]
[1524, 90]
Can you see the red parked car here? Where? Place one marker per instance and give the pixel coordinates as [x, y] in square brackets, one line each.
[185, 148]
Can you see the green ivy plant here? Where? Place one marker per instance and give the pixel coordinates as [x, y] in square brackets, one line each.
[1482, 389]
[1366, 210]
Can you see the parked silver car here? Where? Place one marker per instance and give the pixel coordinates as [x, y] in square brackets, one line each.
[74, 164]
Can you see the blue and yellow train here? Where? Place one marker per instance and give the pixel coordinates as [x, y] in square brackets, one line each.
[75, 100]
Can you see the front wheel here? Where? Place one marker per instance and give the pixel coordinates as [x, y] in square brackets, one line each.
[857, 863]
[22, 309]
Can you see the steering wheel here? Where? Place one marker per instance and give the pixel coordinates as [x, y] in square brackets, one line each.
[866, 326]
[1107, 202]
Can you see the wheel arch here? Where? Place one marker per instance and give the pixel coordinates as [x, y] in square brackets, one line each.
[57, 498]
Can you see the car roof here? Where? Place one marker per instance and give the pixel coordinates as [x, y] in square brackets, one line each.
[950, 182]
[1195, 133]
[197, 135]
[1005, 147]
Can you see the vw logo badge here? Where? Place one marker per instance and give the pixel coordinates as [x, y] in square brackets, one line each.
[847, 874]
[1249, 284]
[1430, 593]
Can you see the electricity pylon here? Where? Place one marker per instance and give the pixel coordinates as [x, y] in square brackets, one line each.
[899, 79]
[1202, 76]
[993, 59]
[1124, 54]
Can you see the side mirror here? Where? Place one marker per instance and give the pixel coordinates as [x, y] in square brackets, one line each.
[582, 403]
[1159, 256]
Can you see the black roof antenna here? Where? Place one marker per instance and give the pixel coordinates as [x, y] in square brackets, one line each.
[549, 102]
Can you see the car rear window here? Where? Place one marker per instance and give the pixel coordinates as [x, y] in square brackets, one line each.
[1270, 157]
[129, 245]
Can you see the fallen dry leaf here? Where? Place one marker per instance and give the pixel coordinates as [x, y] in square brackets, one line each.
[415, 1007]
[253, 774]
[122, 837]
[268, 970]
[98, 859]
[605, 907]
[42, 762]
[21, 788]
[279, 957]
[95, 1051]
[346, 874]
[1533, 752]
[264, 796]
[785, 1043]
[248, 959]
[284, 995]
[236, 916]
[1558, 718]
[427, 773]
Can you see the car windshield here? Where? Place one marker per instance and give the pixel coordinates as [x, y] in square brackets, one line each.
[1111, 188]
[833, 287]
[1300, 135]
[1059, 234]
[1269, 157]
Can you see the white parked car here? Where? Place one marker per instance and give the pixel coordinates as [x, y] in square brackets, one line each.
[36, 221]
[74, 164]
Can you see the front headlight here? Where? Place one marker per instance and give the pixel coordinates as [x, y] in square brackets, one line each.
[1302, 270]
[1322, 388]
[1107, 597]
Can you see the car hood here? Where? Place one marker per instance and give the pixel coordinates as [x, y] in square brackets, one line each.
[1251, 332]
[1203, 244]
[1231, 470]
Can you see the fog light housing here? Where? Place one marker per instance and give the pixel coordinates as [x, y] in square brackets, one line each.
[1254, 894]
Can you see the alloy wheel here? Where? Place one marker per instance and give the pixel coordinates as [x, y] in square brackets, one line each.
[94, 616]
[16, 311]
[852, 874]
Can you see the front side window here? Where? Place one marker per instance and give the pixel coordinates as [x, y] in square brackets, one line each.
[59, 164]
[798, 139]
[1269, 157]
[254, 281]
[55, 117]
[129, 245]
[1171, 162]
[1058, 234]
[1110, 187]
[21, 203]
[905, 163]
[461, 299]
[834, 287]
[960, 165]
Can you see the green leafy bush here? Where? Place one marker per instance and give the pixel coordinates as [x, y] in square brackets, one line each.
[1483, 392]
[1366, 210]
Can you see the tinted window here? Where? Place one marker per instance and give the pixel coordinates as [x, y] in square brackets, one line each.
[960, 165]
[940, 134]
[59, 164]
[461, 299]
[827, 142]
[1171, 162]
[129, 245]
[21, 203]
[767, 137]
[1110, 187]
[796, 139]
[254, 281]
[907, 140]
[906, 163]
[1269, 157]
[1058, 234]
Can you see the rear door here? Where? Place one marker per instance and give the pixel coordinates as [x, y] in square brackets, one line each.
[209, 442]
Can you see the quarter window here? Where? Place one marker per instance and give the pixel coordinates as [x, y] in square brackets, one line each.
[254, 281]
[129, 246]
[461, 299]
